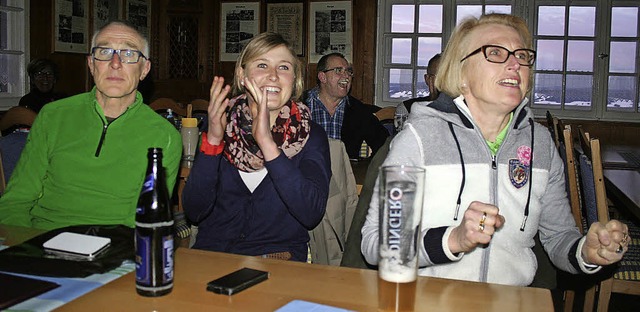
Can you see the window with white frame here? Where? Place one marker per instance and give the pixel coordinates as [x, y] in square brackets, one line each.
[587, 51]
[13, 44]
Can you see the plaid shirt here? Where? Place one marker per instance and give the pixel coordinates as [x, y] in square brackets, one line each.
[319, 113]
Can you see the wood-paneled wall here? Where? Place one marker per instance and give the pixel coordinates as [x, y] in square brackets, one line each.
[75, 77]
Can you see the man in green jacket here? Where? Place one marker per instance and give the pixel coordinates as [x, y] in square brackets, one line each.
[85, 158]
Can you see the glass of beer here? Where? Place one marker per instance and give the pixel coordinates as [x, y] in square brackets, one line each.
[401, 190]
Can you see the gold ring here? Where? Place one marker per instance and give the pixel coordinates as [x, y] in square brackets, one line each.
[625, 237]
[481, 225]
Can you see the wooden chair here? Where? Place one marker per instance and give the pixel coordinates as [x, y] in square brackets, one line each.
[161, 106]
[200, 105]
[17, 116]
[626, 277]
[566, 150]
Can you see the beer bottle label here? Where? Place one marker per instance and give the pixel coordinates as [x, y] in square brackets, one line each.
[148, 184]
[143, 261]
[167, 259]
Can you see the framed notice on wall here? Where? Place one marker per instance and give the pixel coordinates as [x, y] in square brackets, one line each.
[330, 29]
[286, 19]
[139, 14]
[240, 23]
[105, 11]
[71, 26]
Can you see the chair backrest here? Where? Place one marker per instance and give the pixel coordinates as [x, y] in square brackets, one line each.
[200, 105]
[17, 116]
[200, 111]
[571, 176]
[594, 194]
[162, 104]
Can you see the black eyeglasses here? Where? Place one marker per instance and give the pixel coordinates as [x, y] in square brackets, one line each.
[340, 71]
[127, 56]
[498, 54]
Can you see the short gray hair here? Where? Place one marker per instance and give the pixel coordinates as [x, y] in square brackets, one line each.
[145, 41]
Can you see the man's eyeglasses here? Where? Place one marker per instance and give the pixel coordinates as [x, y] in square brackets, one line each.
[498, 54]
[340, 71]
[127, 56]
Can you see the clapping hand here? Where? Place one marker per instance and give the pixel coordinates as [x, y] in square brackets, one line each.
[606, 244]
[217, 110]
[261, 128]
[478, 224]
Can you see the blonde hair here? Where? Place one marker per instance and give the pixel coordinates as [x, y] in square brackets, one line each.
[449, 78]
[260, 45]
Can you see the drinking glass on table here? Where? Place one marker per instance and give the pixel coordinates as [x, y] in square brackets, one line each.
[401, 196]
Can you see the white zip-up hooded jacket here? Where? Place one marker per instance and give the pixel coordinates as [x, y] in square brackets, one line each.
[525, 180]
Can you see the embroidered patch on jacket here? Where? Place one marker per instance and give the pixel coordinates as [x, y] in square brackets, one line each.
[518, 173]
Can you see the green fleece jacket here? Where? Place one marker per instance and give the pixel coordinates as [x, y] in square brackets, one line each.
[77, 168]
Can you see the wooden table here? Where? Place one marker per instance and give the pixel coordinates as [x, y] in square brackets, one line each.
[347, 288]
[623, 186]
[622, 179]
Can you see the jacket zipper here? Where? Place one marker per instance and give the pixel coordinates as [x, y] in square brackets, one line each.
[104, 134]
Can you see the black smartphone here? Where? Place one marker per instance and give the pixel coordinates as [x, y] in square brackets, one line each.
[237, 281]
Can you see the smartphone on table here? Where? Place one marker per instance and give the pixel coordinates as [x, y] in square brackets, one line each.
[237, 281]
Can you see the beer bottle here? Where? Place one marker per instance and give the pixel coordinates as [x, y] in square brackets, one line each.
[154, 232]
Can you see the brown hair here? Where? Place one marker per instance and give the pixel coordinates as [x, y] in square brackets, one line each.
[449, 76]
[260, 45]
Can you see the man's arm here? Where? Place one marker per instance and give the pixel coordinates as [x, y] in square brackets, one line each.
[25, 185]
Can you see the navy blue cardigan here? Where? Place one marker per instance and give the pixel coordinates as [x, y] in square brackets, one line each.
[289, 201]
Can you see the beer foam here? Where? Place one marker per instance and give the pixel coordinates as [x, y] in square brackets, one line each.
[391, 269]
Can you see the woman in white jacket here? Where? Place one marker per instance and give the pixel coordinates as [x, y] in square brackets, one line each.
[484, 153]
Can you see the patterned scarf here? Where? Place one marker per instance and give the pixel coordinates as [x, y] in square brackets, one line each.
[290, 133]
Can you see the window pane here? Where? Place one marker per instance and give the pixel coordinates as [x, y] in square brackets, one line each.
[624, 22]
[401, 50]
[400, 83]
[622, 91]
[421, 85]
[550, 54]
[465, 11]
[548, 89]
[427, 48]
[622, 57]
[430, 19]
[582, 21]
[578, 91]
[551, 20]
[402, 18]
[580, 56]
[506, 9]
[10, 73]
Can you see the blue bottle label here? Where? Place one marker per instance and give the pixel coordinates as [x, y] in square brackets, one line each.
[167, 259]
[143, 265]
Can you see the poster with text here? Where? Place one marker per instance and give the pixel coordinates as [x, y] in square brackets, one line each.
[240, 23]
[286, 20]
[330, 29]
[71, 26]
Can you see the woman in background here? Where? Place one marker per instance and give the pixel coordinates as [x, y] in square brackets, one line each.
[43, 74]
[261, 178]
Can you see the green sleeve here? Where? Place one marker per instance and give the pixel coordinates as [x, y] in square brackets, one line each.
[172, 155]
[25, 185]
